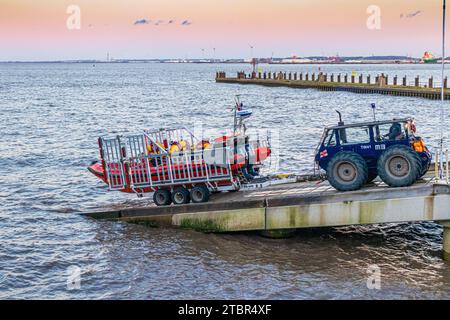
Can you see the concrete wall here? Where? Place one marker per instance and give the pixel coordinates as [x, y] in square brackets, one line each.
[359, 212]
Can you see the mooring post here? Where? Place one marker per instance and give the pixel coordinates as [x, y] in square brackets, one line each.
[322, 77]
[416, 81]
[382, 80]
[404, 81]
[295, 75]
[446, 240]
[430, 82]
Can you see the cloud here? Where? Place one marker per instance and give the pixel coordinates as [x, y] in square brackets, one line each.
[411, 14]
[160, 22]
[141, 21]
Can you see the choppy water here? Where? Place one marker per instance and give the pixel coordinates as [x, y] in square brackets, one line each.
[50, 118]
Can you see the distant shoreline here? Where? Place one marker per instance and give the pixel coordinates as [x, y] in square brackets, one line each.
[227, 62]
[382, 59]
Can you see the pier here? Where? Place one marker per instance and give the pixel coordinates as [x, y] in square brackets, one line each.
[357, 83]
[279, 209]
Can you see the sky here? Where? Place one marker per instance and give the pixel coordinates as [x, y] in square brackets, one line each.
[34, 30]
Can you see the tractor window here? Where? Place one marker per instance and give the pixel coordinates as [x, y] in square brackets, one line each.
[355, 135]
[389, 132]
[330, 139]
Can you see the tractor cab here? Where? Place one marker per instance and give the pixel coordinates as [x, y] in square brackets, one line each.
[367, 141]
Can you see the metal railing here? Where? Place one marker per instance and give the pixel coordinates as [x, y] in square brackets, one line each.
[128, 163]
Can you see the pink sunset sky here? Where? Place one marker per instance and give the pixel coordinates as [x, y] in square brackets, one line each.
[37, 30]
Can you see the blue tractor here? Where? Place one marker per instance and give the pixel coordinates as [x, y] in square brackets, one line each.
[355, 154]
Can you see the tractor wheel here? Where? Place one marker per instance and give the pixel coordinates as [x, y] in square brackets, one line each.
[371, 176]
[162, 197]
[180, 196]
[399, 166]
[347, 171]
[424, 169]
[199, 194]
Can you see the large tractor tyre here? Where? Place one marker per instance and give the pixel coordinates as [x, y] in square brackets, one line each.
[347, 171]
[162, 197]
[399, 166]
[425, 169]
[199, 194]
[180, 196]
[371, 176]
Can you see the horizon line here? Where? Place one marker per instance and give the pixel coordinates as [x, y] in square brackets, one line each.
[209, 59]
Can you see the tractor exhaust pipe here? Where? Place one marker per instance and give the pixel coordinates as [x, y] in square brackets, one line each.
[340, 123]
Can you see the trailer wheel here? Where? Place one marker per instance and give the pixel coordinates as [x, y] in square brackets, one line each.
[199, 194]
[180, 196]
[347, 171]
[162, 197]
[399, 166]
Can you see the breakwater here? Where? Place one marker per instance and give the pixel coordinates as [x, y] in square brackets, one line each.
[357, 83]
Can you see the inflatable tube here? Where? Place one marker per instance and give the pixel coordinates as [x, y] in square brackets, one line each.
[262, 153]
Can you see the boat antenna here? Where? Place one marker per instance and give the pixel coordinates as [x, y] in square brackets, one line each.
[441, 126]
[236, 107]
[373, 110]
